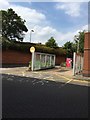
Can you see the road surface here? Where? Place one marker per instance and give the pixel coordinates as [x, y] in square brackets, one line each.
[28, 97]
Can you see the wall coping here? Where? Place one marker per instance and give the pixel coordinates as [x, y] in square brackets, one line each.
[87, 32]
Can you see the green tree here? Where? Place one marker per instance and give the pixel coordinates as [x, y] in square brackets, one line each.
[13, 26]
[51, 43]
[79, 41]
[70, 47]
[0, 23]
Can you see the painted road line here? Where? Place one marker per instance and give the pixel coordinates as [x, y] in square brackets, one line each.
[79, 83]
[69, 80]
[62, 76]
[72, 81]
[81, 80]
[66, 83]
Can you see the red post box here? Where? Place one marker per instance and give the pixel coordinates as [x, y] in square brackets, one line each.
[69, 62]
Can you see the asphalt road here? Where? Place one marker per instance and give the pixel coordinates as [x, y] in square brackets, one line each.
[25, 97]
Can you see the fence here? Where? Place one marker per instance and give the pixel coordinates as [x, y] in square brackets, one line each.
[42, 61]
[77, 63]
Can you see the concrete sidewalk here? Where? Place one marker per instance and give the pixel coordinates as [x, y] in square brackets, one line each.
[67, 72]
[57, 74]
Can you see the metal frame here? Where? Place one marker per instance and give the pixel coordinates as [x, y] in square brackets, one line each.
[42, 61]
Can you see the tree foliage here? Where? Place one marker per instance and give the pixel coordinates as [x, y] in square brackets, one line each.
[51, 43]
[13, 26]
[70, 47]
[79, 41]
[25, 47]
[76, 46]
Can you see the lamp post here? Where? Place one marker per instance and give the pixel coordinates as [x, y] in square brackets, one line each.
[78, 47]
[31, 34]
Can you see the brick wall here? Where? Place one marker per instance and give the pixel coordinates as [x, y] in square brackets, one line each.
[86, 66]
[17, 58]
[60, 59]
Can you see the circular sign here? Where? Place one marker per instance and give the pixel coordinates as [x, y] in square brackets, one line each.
[32, 49]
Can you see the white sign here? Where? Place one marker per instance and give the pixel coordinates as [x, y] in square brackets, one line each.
[32, 49]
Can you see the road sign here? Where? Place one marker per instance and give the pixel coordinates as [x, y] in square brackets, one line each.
[32, 49]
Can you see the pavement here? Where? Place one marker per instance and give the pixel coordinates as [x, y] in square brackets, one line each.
[54, 74]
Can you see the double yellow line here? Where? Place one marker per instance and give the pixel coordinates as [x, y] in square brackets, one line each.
[69, 79]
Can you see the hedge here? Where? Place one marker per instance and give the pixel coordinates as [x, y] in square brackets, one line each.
[25, 47]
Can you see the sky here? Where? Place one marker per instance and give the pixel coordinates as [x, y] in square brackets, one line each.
[60, 19]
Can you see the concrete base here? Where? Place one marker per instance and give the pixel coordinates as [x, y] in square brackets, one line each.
[86, 73]
[14, 65]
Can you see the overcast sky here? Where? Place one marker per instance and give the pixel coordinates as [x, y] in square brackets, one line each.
[61, 20]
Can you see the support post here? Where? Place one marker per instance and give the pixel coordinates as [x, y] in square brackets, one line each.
[45, 60]
[32, 61]
[54, 60]
[50, 60]
[74, 62]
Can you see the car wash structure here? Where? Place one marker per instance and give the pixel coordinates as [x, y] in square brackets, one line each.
[41, 60]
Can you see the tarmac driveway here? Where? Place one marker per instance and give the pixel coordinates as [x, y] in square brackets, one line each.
[28, 97]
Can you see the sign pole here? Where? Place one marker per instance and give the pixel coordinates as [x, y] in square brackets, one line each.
[74, 62]
[32, 50]
[32, 61]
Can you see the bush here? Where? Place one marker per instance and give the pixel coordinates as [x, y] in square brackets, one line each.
[63, 64]
[25, 47]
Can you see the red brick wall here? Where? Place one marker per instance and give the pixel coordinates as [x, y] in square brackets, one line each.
[16, 57]
[11, 57]
[60, 59]
[86, 67]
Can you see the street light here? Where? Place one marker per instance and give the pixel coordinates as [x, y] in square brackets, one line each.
[78, 47]
[30, 34]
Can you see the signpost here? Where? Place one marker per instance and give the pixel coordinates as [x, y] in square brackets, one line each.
[74, 62]
[32, 50]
